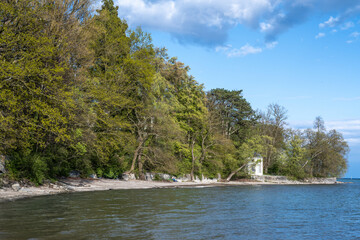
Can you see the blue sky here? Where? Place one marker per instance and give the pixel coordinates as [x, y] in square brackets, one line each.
[301, 54]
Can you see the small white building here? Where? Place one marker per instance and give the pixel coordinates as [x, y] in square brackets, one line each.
[255, 166]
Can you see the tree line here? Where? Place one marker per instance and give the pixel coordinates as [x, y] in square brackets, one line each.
[79, 90]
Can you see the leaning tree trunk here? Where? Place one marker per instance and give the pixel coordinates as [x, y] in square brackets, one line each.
[136, 155]
[234, 172]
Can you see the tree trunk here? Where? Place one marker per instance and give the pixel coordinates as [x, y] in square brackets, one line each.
[305, 164]
[203, 150]
[136, 154]
[140, 163]
[234, 172]
[268, 161]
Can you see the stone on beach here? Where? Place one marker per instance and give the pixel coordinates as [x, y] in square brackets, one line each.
[127, 177]
[74, 174]
[149, 176]
[16, 187]
[93, 176]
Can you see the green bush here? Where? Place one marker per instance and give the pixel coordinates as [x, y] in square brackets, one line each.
[99, 172]
[39, 169]
[28, 165]
[110, 174]
[157, 178]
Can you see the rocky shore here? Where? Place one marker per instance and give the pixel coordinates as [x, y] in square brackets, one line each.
[13, 191]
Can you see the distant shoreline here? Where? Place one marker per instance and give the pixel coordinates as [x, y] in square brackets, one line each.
[70, 185]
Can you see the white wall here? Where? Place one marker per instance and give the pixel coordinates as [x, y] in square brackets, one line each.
[255, 166]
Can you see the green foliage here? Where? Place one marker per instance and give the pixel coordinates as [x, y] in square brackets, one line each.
[235, 113]
[34, 100]
[33, 166]
[81, 91]
[99, 172]
[110, 174]
[311, 153]
[272, 124]
[278, 166]
[327, 151]
[157, 178]
[39, 169]
[296, 157]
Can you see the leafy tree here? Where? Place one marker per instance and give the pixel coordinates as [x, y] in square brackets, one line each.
[272, 124]
[81, 91]
[234, 118]
[108, 90]
[327, 151]
[191, 113]
[157, 130]
[37, 105]
[141, 73]
[234, 112]
[192, 116]
[296, 156]
[246, 152]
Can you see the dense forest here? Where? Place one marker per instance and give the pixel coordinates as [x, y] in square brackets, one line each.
[80, 90]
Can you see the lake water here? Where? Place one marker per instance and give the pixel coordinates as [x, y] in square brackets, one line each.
[236, 212]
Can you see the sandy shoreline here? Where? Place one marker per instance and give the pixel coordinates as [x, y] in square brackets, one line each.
[87, 185]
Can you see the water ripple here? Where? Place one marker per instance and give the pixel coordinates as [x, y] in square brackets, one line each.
[238, 212]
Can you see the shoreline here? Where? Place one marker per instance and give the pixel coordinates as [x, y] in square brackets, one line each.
[70, 185]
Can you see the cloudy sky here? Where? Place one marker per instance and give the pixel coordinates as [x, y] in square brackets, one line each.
[302, 54]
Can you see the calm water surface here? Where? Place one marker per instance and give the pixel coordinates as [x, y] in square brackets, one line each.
[239, 212]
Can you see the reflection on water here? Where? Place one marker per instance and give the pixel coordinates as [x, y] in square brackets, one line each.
[239, 212]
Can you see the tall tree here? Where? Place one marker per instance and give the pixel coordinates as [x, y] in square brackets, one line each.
[192, 117]
[109, 88]
[191, 113]
[234, 112]
[296, 155]
[36, 84]
[157, 130]
[272, 124]
[140, 70]
[234, 118]
[327, 151]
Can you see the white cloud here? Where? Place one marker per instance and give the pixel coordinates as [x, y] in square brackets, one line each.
[350, 133]
[208, 22]
[354, 37]
[352, 9]
[353, 141]
[347, 25]
[202, 21]
[245, 50]
[271, 45]
[345, 125]
[350, 129]
[320, 35]
[223, 48]
[264, 27]
[239, 52]
[349, 125]
[355, 34]
[332, 22]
